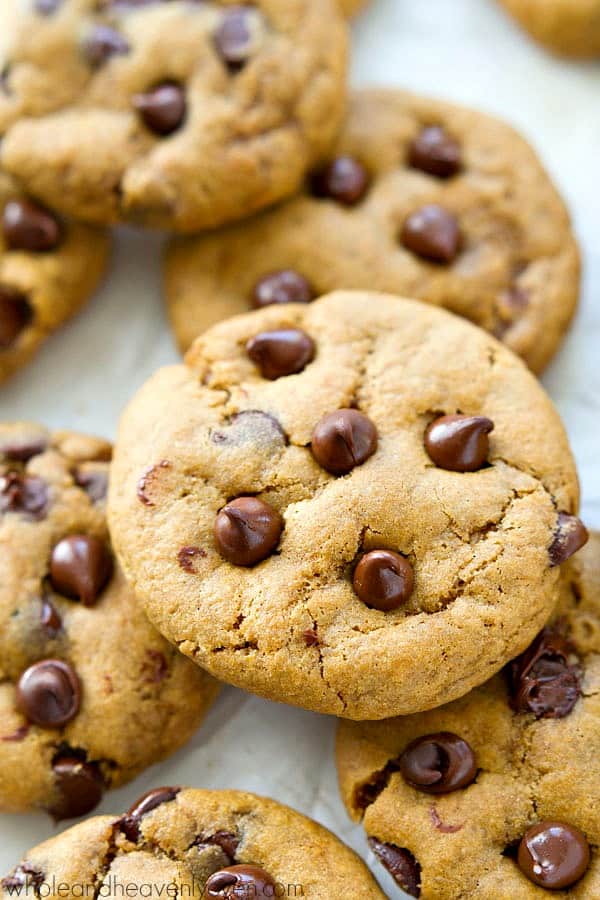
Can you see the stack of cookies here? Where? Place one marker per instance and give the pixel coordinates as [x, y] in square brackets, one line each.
[352, 496]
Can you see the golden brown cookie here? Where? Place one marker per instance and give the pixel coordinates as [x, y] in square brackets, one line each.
[422, 199]
[358, 506]
[567, 27]
[458, 802]
[352, 7]
[183, 115]
[90, 693]
[202, 844]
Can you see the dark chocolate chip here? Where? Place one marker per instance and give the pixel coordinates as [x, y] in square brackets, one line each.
[344, 180]
[23, 449]
[554, 855]
[286, 351]
[570, 536]
[23, 494]
[383, 580]
[187, 557]
[438, 763]
[28, 226]
[101, 43]
[240, 881]
[546, 679]
[311, 637]
[401, 864]
[162, 109]
[343, 440]
[285, 286]
[459, 443]
[79, 786]
[95, 484]
[227, 841]
[233, 38]
[435, 152]
[49, 693]
[432, 233]
[16, 314]
[50, 620]
[247, 531]
[130, 823]
[80, 567]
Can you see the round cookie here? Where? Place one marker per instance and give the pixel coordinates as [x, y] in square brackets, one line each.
[199, 843]
[242, 515]
[422, 199]
[48, 269]
[447, 796]
[567, 27]
[184, 115]
[91, 694]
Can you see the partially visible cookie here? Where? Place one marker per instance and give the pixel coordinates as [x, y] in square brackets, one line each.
[567, 27]
[422, 199]
[352, 7]
[90, 693]
[458, 802]
[48, 269]
[197, 843]
[358, 506]
[183, 115]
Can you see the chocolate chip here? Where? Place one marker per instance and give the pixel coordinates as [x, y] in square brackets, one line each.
[435, 152]
[24, 874]
[344, 180]
[247, 530]
[101, 43]
[544, 680]
[49, 693]
[23, 494]
[130, 823]
[286, 286]
[553, 855]
[240, 881]
[148, 479]
[80, 567]
[432, 232]
[311, 637]
[227, 841]
[187, 556]
[383, 580]
[22, 449]
[343, 440]
[570, 536]
[438, 763]
[18, 735]
[459, 443]
[95, 484]
[162, 109]
[156, 667]
[49, 618]
[27, 226]
[283, 352]
[401, 864]
[79, 786]
[16, 314]
[233, 38]
[46, 7]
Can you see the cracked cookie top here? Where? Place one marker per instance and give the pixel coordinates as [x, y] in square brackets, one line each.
[84, 678]
[373, 534]
[567, 27]
[524, 821]
[419, 198]
[198, 843]
[183, 115]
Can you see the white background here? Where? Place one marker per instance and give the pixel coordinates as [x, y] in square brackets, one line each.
[463, 50]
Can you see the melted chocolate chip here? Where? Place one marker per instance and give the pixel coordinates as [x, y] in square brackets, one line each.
[80, 567]
[50, 620]
[101, 43]
[16, 314]
[162, 109]
[343, 440]
[240, 881]
[23, 494]
[459, 443]
[344, 180]
[247, 531]
[432, 233]
[233, 38]
[49, 693]
[435, 152]
[130, 823]
[286, 351]
[27, 226]
[401, 864]
[79, 786]
[286, 286]
[438, 763]
[227, 841]
[187, 556]
[554, 855]
[544, 680]
[18, 735]
[23, 449]
[95, 484]
[570, 536]
[311, 637]
[383, 580]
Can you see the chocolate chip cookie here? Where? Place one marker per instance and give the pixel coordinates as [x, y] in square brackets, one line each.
[48, 269]
[567, 27]
[90, 693]
[495, 796]
[420, 198]
[206, 844]
[357, 506]
[183, 115]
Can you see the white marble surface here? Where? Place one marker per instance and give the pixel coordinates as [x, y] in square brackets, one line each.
[464, 50]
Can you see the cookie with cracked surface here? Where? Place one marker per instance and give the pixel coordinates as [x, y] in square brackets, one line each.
[224, 844]
[183, 115]
[75, 713]
[567, 27]
[420, 198]
[351, 505]
[458, 801]
[48, 269]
